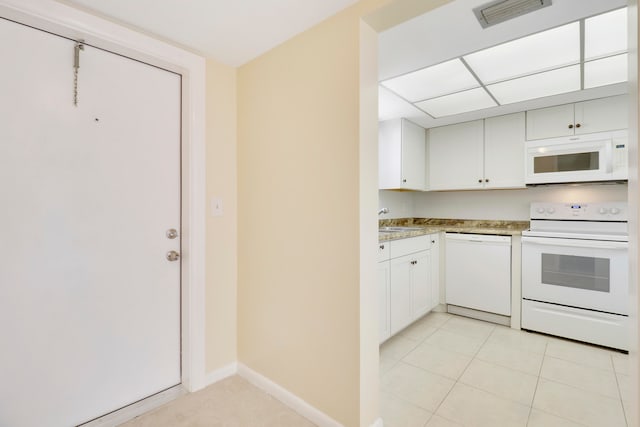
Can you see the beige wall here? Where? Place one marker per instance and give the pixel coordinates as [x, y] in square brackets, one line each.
[303, 197]
[299, 219]
[221, 289]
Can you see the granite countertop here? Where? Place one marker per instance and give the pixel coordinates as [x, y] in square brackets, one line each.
[436, 225]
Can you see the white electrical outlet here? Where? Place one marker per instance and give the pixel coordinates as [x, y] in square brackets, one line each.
[216, 206]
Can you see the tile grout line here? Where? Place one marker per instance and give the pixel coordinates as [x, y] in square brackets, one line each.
[401, 360]
[533, 399]
[461, 374]
[615, 374]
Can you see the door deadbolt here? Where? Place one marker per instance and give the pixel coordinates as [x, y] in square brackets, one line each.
[173, 256]
[172, 233]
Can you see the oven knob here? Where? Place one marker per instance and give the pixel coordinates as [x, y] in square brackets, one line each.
[550, 210]
[540, 210]
[614, 211]
[603, 211]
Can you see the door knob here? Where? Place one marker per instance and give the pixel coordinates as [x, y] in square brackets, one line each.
[173, 256]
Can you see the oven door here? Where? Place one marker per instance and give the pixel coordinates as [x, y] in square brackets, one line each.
[590, 274]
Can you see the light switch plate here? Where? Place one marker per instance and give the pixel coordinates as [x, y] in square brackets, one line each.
[216, 206]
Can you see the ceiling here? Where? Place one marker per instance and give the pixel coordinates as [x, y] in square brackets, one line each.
[230, 31]
[452, 31]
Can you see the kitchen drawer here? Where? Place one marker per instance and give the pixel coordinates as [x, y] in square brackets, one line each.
[383, 251]
[408, 246]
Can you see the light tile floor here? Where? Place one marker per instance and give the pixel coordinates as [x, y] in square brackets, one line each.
[447, 370]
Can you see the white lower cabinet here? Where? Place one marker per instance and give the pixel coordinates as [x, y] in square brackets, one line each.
[406, 283]
[384, 319]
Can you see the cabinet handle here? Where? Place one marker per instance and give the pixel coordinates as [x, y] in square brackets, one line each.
[480, 181]
[578, 125]
[570, 126]
[404, 180]
[381, 246]
[433, 241]
[486, 180]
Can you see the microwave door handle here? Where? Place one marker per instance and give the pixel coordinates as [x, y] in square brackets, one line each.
[575, 243]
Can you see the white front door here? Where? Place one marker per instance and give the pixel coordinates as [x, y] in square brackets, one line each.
[89, 302]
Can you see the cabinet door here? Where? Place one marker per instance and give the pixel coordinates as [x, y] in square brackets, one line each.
[456, 156]
[413, 156]
[598, 115]
[550, 122]
[400, 295]
[389, 154]
[504, 161]
[384, 320]
[420, 278]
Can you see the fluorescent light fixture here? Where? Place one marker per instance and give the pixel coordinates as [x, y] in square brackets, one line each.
[549, 49]
[548, 83]
[457, 103]
[502, 10]
[605, 34]
[606, 71]
[447, 77]
[391, 106]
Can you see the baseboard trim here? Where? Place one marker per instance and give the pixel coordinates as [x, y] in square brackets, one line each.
[285, 396]
[378, 423]
[221, 373]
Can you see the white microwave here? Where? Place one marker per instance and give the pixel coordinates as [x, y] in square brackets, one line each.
[599, 156]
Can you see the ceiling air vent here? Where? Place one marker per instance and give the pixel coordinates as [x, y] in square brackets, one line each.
[502, 10]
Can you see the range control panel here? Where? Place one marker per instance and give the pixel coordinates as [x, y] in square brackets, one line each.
[607, 211]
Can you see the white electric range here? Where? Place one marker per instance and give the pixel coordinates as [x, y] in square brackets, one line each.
[575, 272]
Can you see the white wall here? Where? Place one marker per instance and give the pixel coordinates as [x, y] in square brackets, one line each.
[503, 204]
[399, 203]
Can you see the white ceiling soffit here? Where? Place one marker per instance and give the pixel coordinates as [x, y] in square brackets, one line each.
[513, 68]
[232, 32]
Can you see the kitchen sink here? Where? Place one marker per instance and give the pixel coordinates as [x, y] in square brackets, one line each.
[397, 229]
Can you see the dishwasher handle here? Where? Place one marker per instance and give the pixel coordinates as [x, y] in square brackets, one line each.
[479, 238]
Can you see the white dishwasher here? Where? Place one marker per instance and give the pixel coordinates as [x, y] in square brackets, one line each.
[478, 272]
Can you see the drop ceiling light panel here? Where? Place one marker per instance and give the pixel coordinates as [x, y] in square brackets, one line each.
[390, 106]
[502, 10]
[447, 77]
[606, 71]
[605, 34]
[548, 83]
[457, 103]
[538, 52]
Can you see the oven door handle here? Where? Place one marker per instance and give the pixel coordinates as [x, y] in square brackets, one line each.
[575, 243]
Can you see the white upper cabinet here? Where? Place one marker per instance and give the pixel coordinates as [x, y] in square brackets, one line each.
[550, 122]
[599, 115]
[504, 139]
[401, 156]
[596, 115]
[477, 155]
[455, 156]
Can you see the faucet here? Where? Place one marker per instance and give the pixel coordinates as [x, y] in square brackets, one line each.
[383, 211]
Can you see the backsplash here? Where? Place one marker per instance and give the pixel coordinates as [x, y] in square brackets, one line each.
[512, 205]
